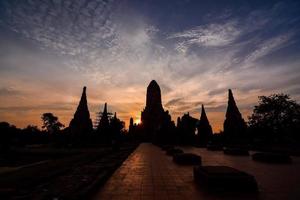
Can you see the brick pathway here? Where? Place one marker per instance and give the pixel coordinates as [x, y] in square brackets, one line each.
[150, 174]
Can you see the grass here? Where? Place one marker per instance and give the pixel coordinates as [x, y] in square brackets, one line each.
[64, 173]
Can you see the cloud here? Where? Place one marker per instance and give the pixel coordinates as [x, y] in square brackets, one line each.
[268, 46]
[116, 50]
[50, 107]
[295, 91]
[212, 35]
[9, 91]
[72, 28]
[172, 102]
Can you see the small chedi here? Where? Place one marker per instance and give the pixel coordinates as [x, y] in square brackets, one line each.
[204, 130]
[81, 124]
[116, 125]
[234, 125]
[131, 128]
[108, 127]
[103, 128]
[186, 126]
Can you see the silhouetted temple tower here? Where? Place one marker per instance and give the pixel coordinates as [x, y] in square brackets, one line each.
[104, 125]
[153, 99]
[186, 127]
[81, 122]
[104, 120]
[153, 117]
[203, 128]
[234, 124]
[131, 126]
[131, 122]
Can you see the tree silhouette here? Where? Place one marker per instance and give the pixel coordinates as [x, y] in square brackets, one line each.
[276, 117]
[7, 134]
[51, 123]
[33, 135]
[32, 129]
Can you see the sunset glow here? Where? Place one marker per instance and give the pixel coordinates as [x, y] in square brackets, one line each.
[137, 121]
[47, 56]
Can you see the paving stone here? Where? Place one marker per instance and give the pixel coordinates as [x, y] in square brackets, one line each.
[187, 159]
[272, 158]
[214, 147]
[167, 147]
[174, 151]
[236, 151]
[149, 166]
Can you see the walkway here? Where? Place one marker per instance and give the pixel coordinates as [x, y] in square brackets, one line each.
[150, 174]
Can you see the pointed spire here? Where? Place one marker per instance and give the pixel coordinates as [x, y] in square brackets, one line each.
[81, 122]
[232, 107]
[83, 95]
[178, 121]
[105, 108]
[230, 95]
[204, 129]
[131, 126]
[131, 121]
[203, 114]
[104, 120]
[82, 106]
[234, 124]
[82, 109]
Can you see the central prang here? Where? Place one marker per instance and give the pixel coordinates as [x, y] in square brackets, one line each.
[156, 123]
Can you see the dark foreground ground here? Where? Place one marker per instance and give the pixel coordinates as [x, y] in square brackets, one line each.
[41, 173]
[149, 173]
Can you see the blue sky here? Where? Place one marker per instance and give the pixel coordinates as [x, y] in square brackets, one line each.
[195, 50]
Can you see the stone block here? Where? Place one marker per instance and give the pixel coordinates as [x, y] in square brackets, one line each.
[223, 178]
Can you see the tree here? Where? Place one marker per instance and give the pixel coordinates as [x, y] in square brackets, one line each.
[276, 117]
[32, 129]
[33, 135]
[7, 134]
[51, 123]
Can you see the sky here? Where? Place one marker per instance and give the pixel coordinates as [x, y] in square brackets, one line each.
[196, 50]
